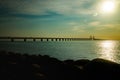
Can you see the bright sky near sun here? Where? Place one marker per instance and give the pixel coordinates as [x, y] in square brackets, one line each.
[108, 6]
[60, 18]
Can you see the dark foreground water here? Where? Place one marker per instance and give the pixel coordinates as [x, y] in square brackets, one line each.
[108, 49]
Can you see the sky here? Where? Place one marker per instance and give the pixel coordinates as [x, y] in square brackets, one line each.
[60, 18]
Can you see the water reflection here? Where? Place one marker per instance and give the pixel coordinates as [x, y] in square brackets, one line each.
[107, 50]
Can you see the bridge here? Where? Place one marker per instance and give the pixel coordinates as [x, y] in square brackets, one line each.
[12, 39]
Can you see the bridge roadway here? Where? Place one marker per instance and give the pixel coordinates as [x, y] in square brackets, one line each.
[12, 39]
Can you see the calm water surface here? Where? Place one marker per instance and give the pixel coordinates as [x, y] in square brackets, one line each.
[108, 49]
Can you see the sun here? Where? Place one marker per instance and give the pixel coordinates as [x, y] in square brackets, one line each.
[108, 6]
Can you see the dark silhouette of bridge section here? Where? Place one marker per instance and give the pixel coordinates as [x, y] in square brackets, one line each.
[12, 39]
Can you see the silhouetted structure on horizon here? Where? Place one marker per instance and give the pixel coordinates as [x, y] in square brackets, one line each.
[12, 39]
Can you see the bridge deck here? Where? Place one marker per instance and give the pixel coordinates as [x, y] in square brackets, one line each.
[44, 38]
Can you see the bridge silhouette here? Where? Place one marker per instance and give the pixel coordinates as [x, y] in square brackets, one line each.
[12, 39]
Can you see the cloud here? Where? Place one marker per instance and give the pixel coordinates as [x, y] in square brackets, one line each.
[95, 23]
[72, 23]
[107, 26]
[78, 29]
[41, 7]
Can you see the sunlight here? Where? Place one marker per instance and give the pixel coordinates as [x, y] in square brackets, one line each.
[107, 44]
[107, 50]
[108, 6]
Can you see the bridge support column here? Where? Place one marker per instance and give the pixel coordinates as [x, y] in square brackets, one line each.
[34, 40]
[62, 39]
[47, 39]
[41, 39]
[12, 40]
[52, 39]
[55, 39]
[59, 39]
[25, 40]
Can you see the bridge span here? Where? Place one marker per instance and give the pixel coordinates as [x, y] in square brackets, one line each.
[12, 39]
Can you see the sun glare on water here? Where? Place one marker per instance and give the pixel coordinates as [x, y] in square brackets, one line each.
[107, 50]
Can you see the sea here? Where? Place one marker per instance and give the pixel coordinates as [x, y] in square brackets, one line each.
[64, 50]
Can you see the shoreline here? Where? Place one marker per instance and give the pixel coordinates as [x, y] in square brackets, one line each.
[16, 66]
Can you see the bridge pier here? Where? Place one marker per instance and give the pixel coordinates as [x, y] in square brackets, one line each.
[56, 39]
[47, 39]
[34, 40]
[12, 40]
[59, 39]
[41, 39]
[25, 40]
[62, 39]
[52, 39]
